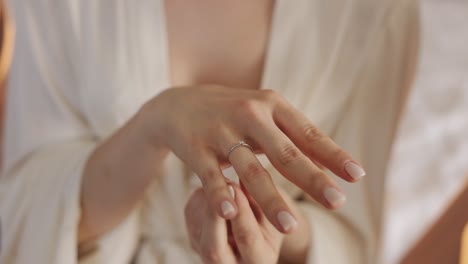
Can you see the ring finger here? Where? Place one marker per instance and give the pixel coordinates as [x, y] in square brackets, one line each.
[259, 184]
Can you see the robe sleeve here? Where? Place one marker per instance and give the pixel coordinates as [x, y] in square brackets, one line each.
[47, 141]
[367, 131]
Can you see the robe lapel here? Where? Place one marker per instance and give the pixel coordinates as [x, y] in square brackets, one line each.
[314, 57]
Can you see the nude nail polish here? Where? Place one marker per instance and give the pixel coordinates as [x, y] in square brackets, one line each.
[354, 170]
[231, 191]
[286, 220]
[334, 197]
[227, 208]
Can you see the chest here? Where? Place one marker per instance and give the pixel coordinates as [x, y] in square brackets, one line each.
[222, 42]
[132, 52]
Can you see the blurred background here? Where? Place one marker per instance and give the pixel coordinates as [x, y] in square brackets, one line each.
[430, 158]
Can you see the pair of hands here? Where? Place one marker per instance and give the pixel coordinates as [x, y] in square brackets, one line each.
[200, 124]
[247, 238]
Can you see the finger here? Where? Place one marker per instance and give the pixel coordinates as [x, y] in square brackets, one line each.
[270, 232]
[318, 164]
[254, 206]
[289, 160]
[215, 186]
[214, 246]
[259, 184]
[246, 230]
[316, 144]
[195, 212]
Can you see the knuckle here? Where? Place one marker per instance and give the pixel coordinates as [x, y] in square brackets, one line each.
[196, 144]
[339, 154]
[317, 176]
[245, 237]
[313, 134]
[248, 109]
[253, 171]
[247, 104]
[289, 154]
[315, 183]
[209, 176]
[217, 126]
[269, 95]
[194, 141]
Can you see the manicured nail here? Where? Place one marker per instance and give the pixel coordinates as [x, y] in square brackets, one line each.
[334, 197]
[286, 220]
[227, 208]
[231, 191]
[354, 170]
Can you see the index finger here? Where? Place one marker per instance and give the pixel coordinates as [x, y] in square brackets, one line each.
[316, 144]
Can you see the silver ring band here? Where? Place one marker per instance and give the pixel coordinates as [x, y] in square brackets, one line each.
[239, 144]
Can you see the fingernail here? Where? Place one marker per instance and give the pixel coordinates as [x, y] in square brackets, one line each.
[354, 170]
[231, 191]
[227, 208]
[334, 197]
[286, 220]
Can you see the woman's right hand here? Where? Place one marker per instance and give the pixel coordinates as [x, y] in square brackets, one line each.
[200, 125]
[247, 238]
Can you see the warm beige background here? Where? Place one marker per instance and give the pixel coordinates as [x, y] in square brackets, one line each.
[430, 160]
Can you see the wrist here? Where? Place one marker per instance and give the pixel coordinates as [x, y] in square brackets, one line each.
[115, 178]
[148, 130]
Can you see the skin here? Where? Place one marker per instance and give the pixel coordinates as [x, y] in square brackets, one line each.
[218, 103]
[200, 132]
[442, 242]
[125, 137]
[247, 238]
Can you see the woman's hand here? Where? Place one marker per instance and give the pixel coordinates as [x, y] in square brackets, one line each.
[247, 238]
[200, 125]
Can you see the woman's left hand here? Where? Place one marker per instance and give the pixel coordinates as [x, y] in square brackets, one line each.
[248, 238]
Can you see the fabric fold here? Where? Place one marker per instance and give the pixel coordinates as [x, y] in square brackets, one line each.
[40, 206]
[332, 240]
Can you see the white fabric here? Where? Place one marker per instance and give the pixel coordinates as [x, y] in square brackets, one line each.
[82, 68]
[421, 186]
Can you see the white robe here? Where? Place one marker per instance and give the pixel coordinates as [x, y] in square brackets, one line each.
[82, 68]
